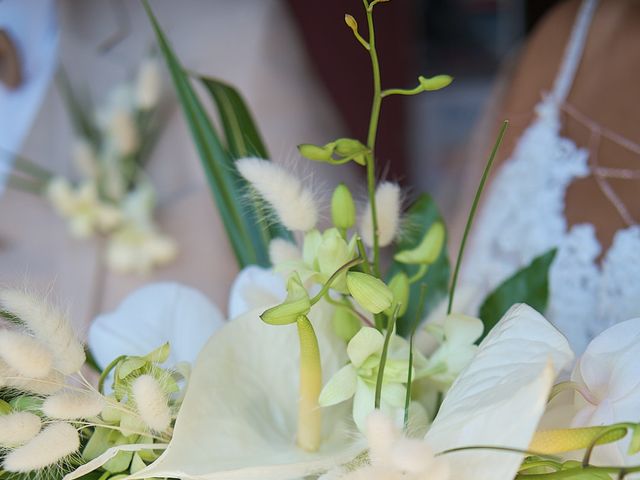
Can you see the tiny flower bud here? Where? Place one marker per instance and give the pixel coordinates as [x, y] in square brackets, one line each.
[343, 210]
[429, 249]
[351, 22]
[316, 153]
[348, 147]
[435, 83]
[296, 304]
[345, 323]
[399, 285]
[370, 292]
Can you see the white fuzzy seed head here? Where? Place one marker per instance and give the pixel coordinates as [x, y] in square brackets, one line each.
[388, 207]
[49, 326]
[151, 403]
[50, 446]
[73, 405]
[18, 428]
[25, 354]
[292, 201]
[381, 436]
[148, 84]
[11, 379]
[412, 456]
[123, 132]
[281, 251]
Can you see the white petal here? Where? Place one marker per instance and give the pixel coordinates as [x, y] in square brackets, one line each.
[238, 419]
[364, 344]
[462, 329]
[363, 403]
[340, 387]
[499, 398]
[152, 316]
[255, 287]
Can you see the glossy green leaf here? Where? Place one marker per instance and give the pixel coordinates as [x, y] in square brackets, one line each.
[529, 285]
[248, 243]
[420, 217]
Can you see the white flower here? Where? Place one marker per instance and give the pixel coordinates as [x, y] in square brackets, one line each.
[358, 378]
[148, 84]
[152, 316]
[255, 287]
[136, 249]
[84, 158]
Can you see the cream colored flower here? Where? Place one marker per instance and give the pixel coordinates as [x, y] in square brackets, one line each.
[138, 249]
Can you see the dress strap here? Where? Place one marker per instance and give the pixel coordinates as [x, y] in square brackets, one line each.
[573, 52]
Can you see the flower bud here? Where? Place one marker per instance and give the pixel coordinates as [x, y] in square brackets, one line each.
[345, 323]
[295, 305]
[434, 83]
[348, 147]
[351, 22]
[316, 153]
[343, 210]
[370, 292]
[399, 285]
[428, 251]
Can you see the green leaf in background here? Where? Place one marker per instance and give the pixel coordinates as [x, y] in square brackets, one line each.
[79, 110]
[420, 216]
[529, 285]
[248, 240]
[243, 140]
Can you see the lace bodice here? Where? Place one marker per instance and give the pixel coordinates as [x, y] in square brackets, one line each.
[523, 217]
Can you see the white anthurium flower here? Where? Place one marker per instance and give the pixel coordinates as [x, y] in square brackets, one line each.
[239, 415]
[255, 287]
[608, 375]
[358, 378]
[152, 316]
[499, 398]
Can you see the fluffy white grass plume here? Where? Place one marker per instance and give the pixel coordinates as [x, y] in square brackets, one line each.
[292, 201]
[25, 354]
[53, 444]
[281, 250]
[11, 379]
[151, 403]
[124, 132]
[148, 84]
[49, 326]
[388, 206]
[73, 405]
[18, 428]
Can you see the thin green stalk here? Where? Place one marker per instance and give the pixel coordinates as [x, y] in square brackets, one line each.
[407, 400]
[402, 91]
[106, 371]
[332, 278]
[383, 357]
[366, 266]
[472, 213]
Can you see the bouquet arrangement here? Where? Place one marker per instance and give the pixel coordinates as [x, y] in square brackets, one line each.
[114, 196]
[332, 366]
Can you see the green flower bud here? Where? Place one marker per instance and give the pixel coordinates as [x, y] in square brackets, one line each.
[429, 249]
[351, 22]
[343, 209]
[348, 147]
[435, 83]
[345, 323]
[295, 305]
[634, 445]
[399, 285]
[316, 153]
[370, 292]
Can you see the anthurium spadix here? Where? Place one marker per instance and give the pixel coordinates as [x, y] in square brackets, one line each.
[498, 400]
[239, 416]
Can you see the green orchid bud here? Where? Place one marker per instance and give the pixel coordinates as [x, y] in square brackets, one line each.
[295, 305]
[316, 153]
[370, 292]
[351, 22]
[634, 445]
[399, 285]
[345, 323]
[434, 83]
[343, 209]
[349, 147]
[429, 249]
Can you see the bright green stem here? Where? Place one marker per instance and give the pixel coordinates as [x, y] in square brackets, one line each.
[371, 137]
[383, 357]
[309, 414]
[366, 267]
[403, 91]
[472, 213]
[419, 273]
[107, 371]
[332, 278]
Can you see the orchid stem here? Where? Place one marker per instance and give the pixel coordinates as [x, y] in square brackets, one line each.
[383, 357]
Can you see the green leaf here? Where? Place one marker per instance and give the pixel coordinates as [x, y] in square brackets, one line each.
[248, 243]
[79, 110]
[529, 285]
[242, 139]
[420, 217]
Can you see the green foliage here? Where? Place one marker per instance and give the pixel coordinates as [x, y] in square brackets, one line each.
[420, 217]
[529, 285]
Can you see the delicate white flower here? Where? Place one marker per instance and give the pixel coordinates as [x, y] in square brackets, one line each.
[388, 209]
[358, 379]
[136, 249]
[148, 84]
[152, 316]
[123, 132]
[255, 287]
[291, 200]
[84, 158]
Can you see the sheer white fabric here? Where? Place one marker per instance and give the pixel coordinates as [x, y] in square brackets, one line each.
[523, 217]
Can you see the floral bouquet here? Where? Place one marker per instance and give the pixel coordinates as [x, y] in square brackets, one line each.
[343, 359]
[114, 197]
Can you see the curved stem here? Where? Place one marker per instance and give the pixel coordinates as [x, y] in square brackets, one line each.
[402, 91]
[383, 357]
[332, 278]
[106, 371]
[309, 413]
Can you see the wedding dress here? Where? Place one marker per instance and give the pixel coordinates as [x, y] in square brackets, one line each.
[523, 217]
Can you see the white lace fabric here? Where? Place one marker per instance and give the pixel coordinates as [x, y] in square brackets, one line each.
[523, 217]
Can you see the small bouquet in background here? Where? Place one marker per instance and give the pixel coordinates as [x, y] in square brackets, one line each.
[114, 196]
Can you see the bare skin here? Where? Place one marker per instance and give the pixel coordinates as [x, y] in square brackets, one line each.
[606, 90]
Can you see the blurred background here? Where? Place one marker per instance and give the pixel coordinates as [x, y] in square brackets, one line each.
[300, 70]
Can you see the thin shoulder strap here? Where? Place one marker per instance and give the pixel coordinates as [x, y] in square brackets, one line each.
[573, 51]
